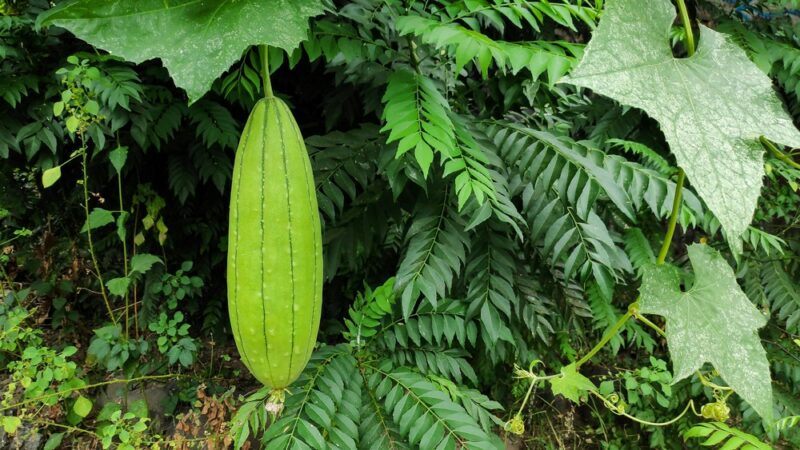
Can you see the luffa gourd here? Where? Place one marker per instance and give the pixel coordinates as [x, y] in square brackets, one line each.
[274, 246]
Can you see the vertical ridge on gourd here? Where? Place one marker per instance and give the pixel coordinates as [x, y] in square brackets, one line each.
[275, 253]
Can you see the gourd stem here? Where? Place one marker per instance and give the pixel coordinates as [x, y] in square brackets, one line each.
[673, 218]
[265, 71]
[687, 25]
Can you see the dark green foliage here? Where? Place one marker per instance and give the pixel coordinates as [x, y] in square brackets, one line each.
[436, 248]
[512, 216]
[360, 395]
[344, 166]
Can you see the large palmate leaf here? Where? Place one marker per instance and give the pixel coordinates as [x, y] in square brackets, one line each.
[196, 39]
[713, 321]
[712, 107]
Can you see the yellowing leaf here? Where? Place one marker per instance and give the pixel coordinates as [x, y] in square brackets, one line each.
[72, 124]
[10, 424]
[713, 321]
[58, 108]
[50, 176]
[82, 406]
[712, 107]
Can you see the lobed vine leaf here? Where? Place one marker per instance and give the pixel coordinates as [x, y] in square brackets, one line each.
[712, 106]
[197, 40]
[712, 321]
[571, 384]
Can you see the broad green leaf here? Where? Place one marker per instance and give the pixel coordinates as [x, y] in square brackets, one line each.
[712, 107]
[571, 384]
[82, 406]
[99, 217]
[72, 124]
[713, 321]
[58, 108]
[50, 176]
[54, 441]
[118, 156]
[118, 286]
[141, 263]
[139, 408]
[122, 232]
[92, 107]
[197, 40]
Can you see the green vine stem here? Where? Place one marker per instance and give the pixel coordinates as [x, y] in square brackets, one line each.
[265, 71]
[135, 287]
[710, 384]
[647, 322]
[517, 425]
[619, 411]
[67, 428]
[124, 251]
[673, 218]
[607, 337]
[633, 308]
[169, 442]
[529, 375]
[92, 253]
[676, 203]
[10, 240]
[92, 386]
[778, 154]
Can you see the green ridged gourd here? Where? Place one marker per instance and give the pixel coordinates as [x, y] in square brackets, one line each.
[274, 247]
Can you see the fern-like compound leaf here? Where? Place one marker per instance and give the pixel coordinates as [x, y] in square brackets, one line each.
[552, 59]
[436, 252]
[419, 119]
[717, 434]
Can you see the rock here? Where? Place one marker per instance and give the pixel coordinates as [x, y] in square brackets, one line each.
[26, 438]
[154, 395]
